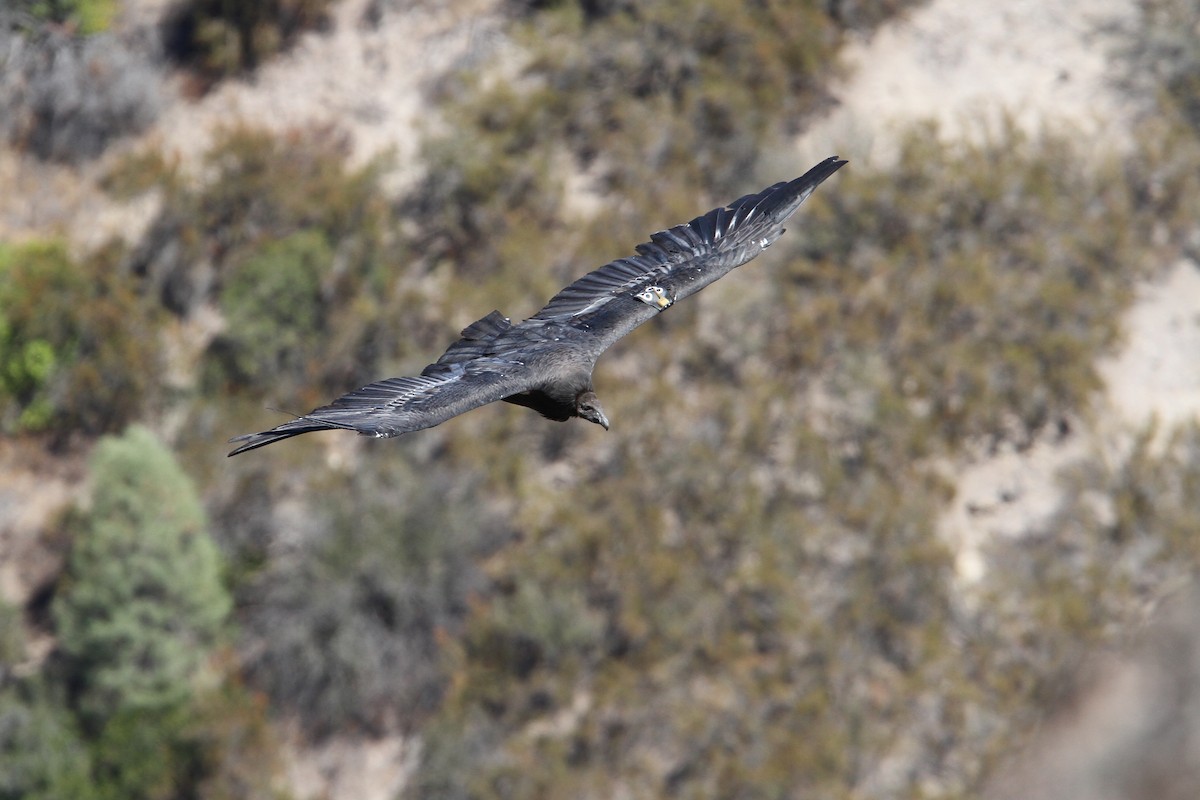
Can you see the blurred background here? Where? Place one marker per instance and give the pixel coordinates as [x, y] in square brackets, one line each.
[908, 507]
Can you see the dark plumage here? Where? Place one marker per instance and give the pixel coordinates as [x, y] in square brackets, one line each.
[545, 363]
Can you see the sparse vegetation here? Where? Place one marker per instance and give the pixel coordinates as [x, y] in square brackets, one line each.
[970, 287]
[78, 347]
[1123, 540]
[602, 93]
[350, 628]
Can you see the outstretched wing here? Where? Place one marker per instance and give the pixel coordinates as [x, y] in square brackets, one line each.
[681, 261]
[400, 405]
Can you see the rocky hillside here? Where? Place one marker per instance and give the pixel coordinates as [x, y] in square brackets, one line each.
[908, 507]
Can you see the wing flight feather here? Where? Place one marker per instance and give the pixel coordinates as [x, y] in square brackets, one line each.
[704, 249]
[401, 405]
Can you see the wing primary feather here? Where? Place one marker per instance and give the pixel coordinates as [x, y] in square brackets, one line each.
[705, 228]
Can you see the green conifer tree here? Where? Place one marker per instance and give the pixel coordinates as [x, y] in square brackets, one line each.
[142, 600]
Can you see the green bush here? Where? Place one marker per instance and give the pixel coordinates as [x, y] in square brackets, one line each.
[269, 198]
[611, 92]
[142, 754]
[42, 756]
[78, 348]
[274, 307]
[12, 640]
[217, 747]
[33, 275]
[141, 600]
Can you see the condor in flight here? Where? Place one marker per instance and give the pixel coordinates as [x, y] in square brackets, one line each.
[545, 363]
